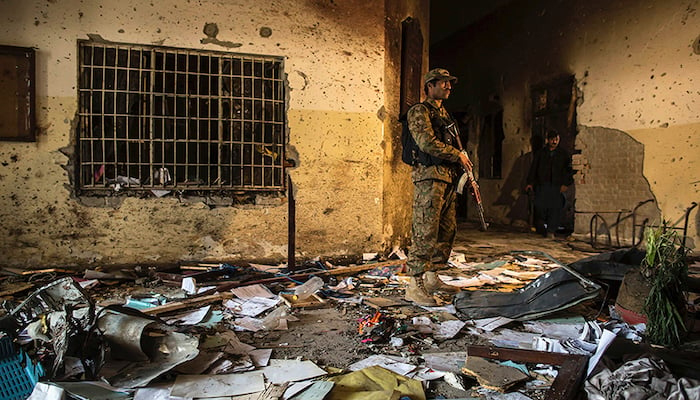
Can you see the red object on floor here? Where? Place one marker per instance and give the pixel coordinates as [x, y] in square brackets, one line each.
[630, 316]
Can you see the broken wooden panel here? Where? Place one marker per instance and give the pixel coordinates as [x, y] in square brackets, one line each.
[492, 375]
[572, 367]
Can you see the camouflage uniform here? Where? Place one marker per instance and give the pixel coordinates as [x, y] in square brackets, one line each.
[434, 213]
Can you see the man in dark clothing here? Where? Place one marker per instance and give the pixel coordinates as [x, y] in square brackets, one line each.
[550, 175]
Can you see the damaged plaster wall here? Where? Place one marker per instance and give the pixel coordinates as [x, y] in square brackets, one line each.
[335, 65]
[635, 67]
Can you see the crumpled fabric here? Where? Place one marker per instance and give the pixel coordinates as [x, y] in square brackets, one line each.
[641, 379]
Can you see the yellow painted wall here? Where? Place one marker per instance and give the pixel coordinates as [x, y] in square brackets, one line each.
[672, 166]
[335, 61]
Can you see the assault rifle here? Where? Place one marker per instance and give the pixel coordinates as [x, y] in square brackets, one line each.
[467, 178]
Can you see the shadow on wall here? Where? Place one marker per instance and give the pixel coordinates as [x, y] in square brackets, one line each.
[513, 194]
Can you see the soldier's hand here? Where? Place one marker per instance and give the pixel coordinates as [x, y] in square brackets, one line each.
[465, 161]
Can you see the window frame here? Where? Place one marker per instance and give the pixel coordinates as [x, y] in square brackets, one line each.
[254, 137]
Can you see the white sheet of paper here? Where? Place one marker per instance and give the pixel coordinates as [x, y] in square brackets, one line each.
[448, 329]
[260, 357]
[450, 309]
[248, 324]
[268, 268]
[425, 374]
[280, 371]
[603, 344]
[398, 367]
[190, 318]
[489, 324]
[251, 307]
[189, 285]
[451, 362]
[296, 387]
[45, 391]
[218, 385]
[250, 291]
[152, 394]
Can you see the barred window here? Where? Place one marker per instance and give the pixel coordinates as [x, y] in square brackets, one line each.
[157, 118]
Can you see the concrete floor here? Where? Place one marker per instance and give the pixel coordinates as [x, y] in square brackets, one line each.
[499, 240]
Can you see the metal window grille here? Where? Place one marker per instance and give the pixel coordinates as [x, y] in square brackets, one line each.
[166, 118]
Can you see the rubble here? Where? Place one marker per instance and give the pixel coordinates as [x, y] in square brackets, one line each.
[524, 326]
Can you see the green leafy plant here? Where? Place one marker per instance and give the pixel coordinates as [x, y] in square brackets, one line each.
[665, 266]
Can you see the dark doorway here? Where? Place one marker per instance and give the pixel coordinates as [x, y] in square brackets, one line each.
[411, 63]
[554, 107]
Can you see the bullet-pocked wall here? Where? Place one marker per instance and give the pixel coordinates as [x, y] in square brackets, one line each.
[635, 66]
[334, 58]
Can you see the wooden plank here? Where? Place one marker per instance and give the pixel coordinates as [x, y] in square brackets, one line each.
[191, 302]
[273, 392]
[337, 271]
[312, 301]
[383, 302]
[17, 289]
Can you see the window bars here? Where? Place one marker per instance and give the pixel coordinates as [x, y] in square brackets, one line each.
[157, 118]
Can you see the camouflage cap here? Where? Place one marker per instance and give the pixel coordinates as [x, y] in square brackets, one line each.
[439, 74]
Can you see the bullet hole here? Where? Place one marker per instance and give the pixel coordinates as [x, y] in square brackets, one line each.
[211, 30]
[265, 32]
[121, 31]
[652, 77]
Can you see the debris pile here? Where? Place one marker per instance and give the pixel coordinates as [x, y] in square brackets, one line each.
[523, 326]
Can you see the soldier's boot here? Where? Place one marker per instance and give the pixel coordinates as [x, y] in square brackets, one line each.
[417, 294]
[433, 284]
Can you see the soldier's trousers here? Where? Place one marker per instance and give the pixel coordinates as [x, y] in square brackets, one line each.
[434, 225]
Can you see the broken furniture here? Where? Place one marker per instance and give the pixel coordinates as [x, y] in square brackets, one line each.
[598, 224]
[640, 227]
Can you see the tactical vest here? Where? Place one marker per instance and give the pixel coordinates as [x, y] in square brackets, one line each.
[412, 154]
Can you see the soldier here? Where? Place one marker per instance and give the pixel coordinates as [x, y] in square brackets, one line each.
[435, 173]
